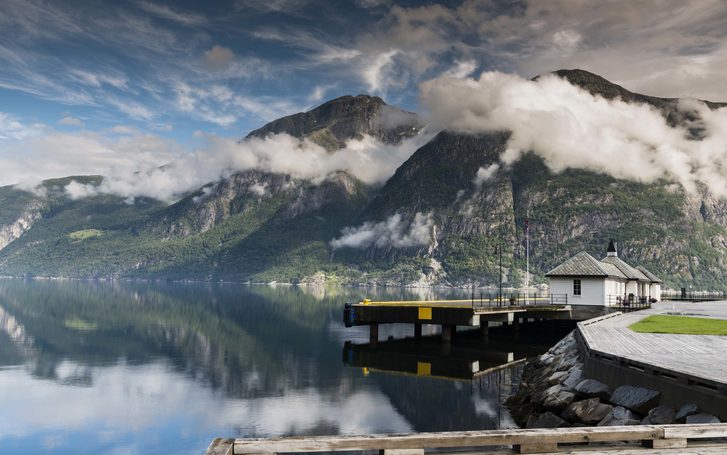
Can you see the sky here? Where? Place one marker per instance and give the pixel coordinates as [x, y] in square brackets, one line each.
[88, 87]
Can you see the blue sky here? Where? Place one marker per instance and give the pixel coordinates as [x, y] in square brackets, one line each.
[75, 72]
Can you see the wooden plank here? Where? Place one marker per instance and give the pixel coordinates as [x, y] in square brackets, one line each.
[702, 431]
[672, 443]
[402, 452]
[448, 439]
[220, 446]
[540, 447]
[608, 450]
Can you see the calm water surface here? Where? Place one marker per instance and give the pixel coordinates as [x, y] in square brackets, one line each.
[137, 368]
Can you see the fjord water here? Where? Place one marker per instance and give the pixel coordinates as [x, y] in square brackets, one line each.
[142, 368]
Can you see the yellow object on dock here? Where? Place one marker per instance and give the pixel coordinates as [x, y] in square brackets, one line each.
[425, 313]
[424, 369]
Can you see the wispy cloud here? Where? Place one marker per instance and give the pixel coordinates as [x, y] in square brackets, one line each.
[165, 12]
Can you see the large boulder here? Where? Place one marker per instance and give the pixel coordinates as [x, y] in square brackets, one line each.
[559, 400]
[637, 399]
[590, 388]
[619, 416]
[558, 377]
[702, 418]
[660, 415]
[686, 411]
[541, 395]
[575, 376]
[547, 420]
[590, 411]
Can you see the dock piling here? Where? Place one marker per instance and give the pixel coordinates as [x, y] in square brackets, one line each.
[374, 333]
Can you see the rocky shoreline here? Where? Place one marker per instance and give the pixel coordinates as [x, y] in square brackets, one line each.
[554, 393]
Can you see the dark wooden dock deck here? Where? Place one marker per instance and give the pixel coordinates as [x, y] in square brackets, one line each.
[448, 313]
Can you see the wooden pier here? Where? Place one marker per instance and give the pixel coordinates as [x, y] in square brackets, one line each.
[709, 439]
[448, 314]
[680, 365]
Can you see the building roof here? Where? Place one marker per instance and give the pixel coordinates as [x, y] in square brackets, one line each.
[630, 272]
[649, 275]
[583, 264]
[611, 247]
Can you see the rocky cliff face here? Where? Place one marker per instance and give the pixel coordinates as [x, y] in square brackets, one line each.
[14, 230]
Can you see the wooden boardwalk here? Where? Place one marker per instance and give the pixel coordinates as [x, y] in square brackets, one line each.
[700, 358]
[639, 439]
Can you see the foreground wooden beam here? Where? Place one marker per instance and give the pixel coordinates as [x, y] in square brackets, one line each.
[220, 446]
[666, 438]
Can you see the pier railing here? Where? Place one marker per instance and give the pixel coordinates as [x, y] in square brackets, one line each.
[491, 441]
[628, 303]
[694, 296]
[518, 299]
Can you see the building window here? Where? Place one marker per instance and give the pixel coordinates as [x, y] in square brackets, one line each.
[576, 287]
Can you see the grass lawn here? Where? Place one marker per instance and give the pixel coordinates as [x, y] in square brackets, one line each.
[681, 325]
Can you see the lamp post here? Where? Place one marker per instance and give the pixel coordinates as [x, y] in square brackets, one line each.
[498, 252]
[527, 260]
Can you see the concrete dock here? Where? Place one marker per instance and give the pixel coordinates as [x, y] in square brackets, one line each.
[692, 359]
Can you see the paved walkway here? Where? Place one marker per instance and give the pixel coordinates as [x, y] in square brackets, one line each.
[700, 356]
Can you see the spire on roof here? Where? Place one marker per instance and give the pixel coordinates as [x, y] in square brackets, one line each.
[611, 251]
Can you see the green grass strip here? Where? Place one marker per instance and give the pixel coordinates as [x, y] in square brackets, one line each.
[681, 325]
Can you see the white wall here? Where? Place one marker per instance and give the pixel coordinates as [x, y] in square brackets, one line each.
[655, 291]
[614, 288]
[593, 290]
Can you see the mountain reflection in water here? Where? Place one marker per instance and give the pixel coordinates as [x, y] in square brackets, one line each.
[89, 367]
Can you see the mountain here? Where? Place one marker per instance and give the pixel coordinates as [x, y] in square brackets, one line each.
[427, 224]
[332, 124]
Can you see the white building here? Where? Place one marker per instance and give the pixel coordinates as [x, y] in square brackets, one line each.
[608, 282]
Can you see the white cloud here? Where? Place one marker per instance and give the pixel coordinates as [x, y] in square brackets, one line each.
[570, 128]
[57, 154]
[138, 164]
[12, 128]
[97, 80]
[76, 190]
[133, 109]
[366, 158]
[374, 73]
[260, 189]
[124, 129]
[69, 120]
[394, 232]
[462, 68]
[486, 173]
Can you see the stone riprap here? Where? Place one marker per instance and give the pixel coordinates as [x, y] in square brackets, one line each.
[554, 393]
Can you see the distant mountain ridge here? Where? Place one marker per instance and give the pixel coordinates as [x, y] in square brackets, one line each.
[262, 226]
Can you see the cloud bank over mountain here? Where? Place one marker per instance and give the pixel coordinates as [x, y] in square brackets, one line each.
[571, 128]
[368, 159]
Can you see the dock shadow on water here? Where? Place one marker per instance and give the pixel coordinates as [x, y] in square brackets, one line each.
[95, 367]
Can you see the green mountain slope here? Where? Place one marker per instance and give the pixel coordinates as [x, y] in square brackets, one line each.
[261, 226]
